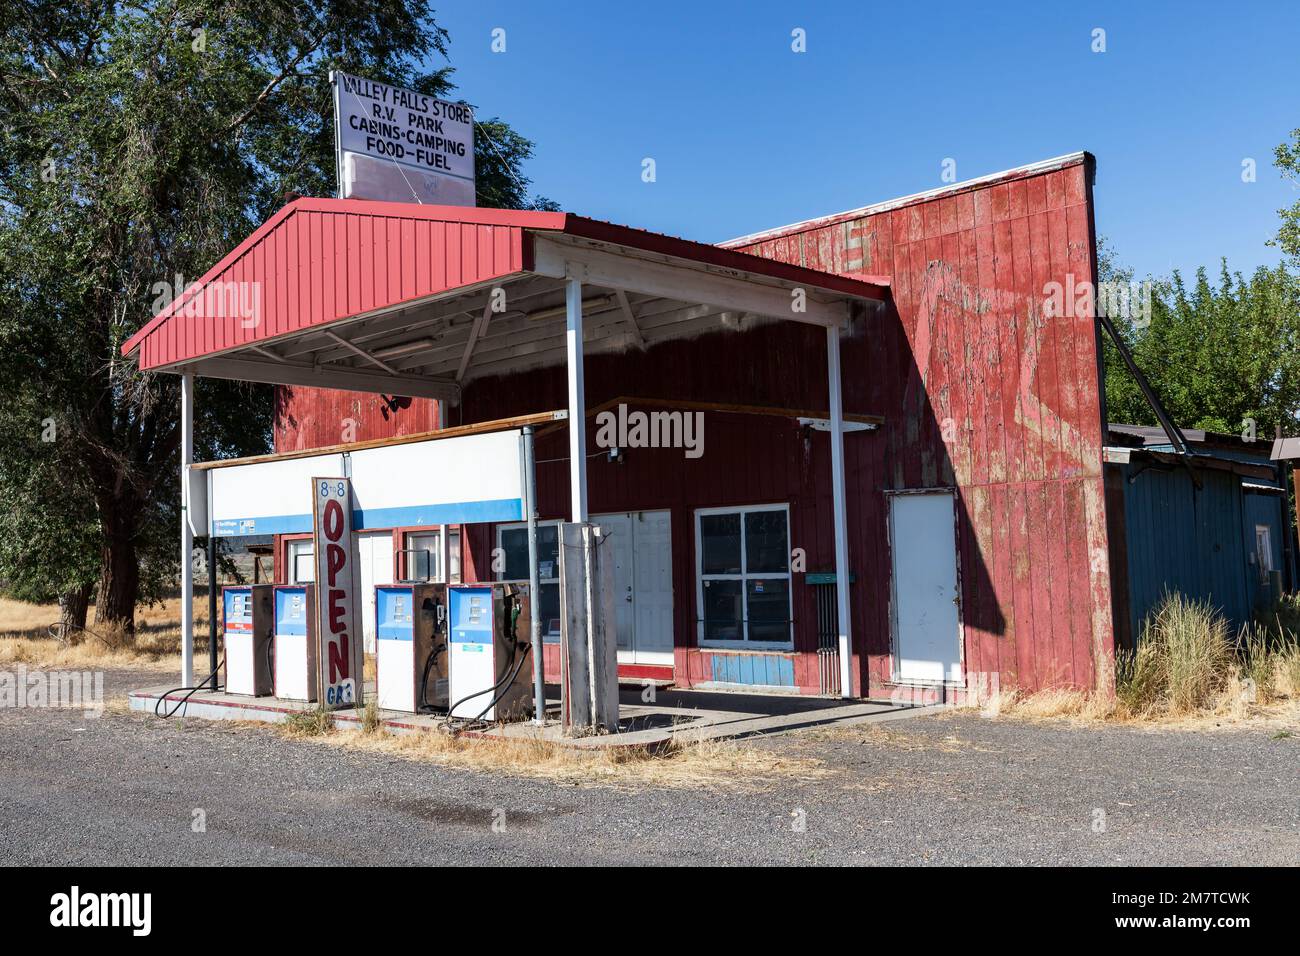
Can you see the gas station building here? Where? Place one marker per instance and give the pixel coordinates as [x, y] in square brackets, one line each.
[846, 456]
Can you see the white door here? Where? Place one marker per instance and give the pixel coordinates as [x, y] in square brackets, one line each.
[653, 587]
[375, 561]
[619, 531]
[643, 585]
[927, 626]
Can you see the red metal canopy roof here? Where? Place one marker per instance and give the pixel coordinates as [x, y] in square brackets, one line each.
[318, 261]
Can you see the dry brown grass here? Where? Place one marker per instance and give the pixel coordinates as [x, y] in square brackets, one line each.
[1187, 673]
[25, 638]
[1058, 702]
[315, 722]
[713, 765]
[1235, 706]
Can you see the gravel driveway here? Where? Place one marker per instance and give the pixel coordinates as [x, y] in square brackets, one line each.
[952, 789]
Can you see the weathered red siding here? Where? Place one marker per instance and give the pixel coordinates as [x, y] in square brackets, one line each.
[748, 459]
[313, 417]
[982, 390]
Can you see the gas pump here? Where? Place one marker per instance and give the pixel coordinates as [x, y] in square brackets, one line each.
[488, 643]
[411, 647]
[295, 642]
[247, 626]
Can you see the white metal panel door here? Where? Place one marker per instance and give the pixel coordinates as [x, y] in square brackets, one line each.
[619, 530]
[375, 560]
[927, 626]
[643, 585]
[653, 587]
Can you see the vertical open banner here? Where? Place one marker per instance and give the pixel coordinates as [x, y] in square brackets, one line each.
[339, 655]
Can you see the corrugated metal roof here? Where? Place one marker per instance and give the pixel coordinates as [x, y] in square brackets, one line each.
[1227, 447]
[320, 260]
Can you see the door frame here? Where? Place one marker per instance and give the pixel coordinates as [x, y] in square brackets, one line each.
[895, 675]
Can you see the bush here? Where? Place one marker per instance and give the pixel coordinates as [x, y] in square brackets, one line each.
[1270, 658]
[1139, 679]
[1182, 662]
[1287, 674]
[1285, 616]
[309, 723]
[370, 722]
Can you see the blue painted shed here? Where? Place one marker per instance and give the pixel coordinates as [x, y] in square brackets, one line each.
[1220, 542]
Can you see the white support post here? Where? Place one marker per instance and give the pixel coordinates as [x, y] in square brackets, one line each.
[534, 581]
[577, 402]
[444, 555]
[187, 536]
[841, 511]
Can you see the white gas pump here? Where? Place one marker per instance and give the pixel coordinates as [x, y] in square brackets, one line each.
[488, 642]
[247, 626]
[411, 647]
[295, 642]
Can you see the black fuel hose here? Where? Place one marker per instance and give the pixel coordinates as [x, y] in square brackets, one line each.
[513, 613]
[497, 687]
[192, 690]
[510, 680]
[424, 681]
[270, 660]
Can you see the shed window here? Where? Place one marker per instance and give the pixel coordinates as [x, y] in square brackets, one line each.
[1263, 551]
[744, 577]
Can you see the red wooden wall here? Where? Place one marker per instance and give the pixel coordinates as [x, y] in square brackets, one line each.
[314, 417]
[747, 460]
[984, 390]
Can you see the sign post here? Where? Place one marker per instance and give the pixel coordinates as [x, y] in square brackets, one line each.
[398, 145]
[339, 653]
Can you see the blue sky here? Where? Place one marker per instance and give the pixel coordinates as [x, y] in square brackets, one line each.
[747, 134]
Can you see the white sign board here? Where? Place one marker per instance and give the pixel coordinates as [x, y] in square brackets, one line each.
[266, 497]
[339, 652]
[398, 145]
[463, 480]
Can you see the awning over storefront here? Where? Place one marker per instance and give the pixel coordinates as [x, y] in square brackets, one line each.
[418, 300]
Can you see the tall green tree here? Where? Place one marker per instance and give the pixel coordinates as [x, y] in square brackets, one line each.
[1221, 356]
[139, 142]
[1286, 157]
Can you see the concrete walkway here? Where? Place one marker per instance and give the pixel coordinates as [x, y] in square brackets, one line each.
[680, 715]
